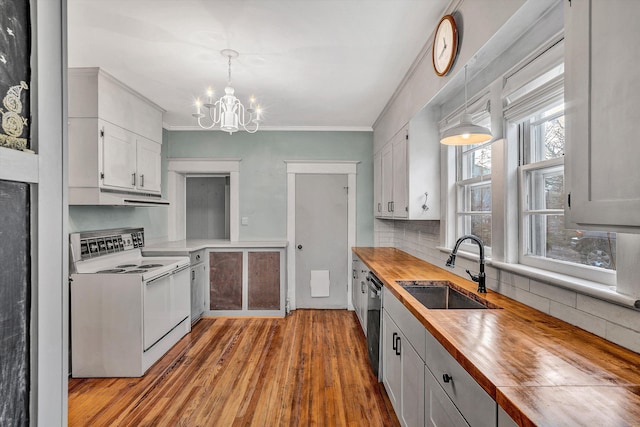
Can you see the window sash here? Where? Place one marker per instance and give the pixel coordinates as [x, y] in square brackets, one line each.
[525, 237]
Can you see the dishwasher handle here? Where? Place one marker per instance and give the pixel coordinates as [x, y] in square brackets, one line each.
[375, 285]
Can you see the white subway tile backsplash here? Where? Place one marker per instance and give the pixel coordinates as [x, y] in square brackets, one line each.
[578, 318]
[421, 238]
[623, 336]
[613, 313]
[554, 293]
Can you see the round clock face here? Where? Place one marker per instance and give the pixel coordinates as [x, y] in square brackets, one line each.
[445, 45]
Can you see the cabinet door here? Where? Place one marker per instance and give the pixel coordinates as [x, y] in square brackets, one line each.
[439, 409]
[363, 294]
[180, 296]
[118, 157]
[387, 180]
[198, 273]
[377, 184]
[399, 205]
[355, 288]
[601, 97]
[391, 364]
[264, 280]
[149, 159]
[225, 280]
[412, 413]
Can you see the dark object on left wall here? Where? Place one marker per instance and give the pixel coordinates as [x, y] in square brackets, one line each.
[15, 74]
[15, 303]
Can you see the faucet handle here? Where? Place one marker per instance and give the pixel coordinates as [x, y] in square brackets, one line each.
[474, 278]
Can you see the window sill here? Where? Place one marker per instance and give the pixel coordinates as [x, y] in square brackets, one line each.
[586, 287]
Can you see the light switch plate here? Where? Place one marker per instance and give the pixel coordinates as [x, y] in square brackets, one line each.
[245, 220]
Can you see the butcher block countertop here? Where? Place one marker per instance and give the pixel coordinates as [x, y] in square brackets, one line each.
[541, 371]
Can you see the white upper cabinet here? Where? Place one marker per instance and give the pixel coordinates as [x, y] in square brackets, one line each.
[118, 157]
[407, 173]
[377, 184]
[148, 164]
[115, 141]
[602, 96]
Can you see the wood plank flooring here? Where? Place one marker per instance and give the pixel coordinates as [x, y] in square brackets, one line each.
[310, 368]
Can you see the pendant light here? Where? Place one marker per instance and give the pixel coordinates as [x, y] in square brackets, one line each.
[465, 133]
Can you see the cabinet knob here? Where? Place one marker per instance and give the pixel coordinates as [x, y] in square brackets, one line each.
[446, 378]
[299, 246]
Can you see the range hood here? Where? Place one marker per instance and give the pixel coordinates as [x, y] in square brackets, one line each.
[103, 197]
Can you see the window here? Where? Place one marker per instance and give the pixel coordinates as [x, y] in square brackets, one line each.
[544, 240]
[473, 190]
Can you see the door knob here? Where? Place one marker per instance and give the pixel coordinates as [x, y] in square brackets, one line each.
[299, 246]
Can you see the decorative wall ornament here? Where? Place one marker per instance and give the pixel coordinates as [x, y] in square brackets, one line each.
[15, 74]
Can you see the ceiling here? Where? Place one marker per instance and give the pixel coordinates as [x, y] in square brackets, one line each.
[312, 64]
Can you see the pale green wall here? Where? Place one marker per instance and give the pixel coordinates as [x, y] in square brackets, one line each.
[263, 178]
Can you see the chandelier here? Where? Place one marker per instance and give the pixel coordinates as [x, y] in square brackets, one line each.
[228, 111]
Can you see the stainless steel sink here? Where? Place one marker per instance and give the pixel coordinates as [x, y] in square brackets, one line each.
[443, 295]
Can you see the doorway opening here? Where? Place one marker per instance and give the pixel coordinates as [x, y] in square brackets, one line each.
[207, 207]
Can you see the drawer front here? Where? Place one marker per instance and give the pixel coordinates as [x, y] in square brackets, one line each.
[478, 408]
[439, 409]
[408, 324]
[197, 256]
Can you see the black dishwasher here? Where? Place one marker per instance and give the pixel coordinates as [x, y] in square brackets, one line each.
[374, 318]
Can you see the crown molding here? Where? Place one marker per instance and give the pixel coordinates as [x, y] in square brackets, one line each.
[280, 128]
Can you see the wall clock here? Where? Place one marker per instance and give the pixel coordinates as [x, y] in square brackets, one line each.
[445, 45]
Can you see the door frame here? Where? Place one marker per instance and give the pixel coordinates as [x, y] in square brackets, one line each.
[319, 167]
[178, 170]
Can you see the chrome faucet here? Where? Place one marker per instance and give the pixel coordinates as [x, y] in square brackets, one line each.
[481, 277]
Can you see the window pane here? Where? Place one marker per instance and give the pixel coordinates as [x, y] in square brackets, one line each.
[480, 197]
[476, 161]
[545, 188]
[547, 135]
[545, 236]
[481, 227]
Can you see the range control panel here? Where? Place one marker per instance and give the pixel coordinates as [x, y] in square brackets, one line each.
[93, 244]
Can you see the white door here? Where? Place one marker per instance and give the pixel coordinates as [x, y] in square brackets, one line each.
[321, 241]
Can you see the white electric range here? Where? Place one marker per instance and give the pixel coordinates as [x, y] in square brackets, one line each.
[126, 310]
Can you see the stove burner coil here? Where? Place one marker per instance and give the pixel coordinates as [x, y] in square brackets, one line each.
[149, 265]
[136, 271]
[125, 265]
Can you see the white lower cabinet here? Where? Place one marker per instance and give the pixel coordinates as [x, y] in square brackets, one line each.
[391, 363]
[473, 403]
[360, 291]
[504, 420]
[426, 385]
[401, 373]
[439, 409]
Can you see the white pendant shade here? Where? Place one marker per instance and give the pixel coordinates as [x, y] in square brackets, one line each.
[466, 133]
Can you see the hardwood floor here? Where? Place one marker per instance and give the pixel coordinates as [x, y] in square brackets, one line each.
[310, 368]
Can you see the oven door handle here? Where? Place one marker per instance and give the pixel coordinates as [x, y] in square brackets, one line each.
[178, 270]
[155, 279]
